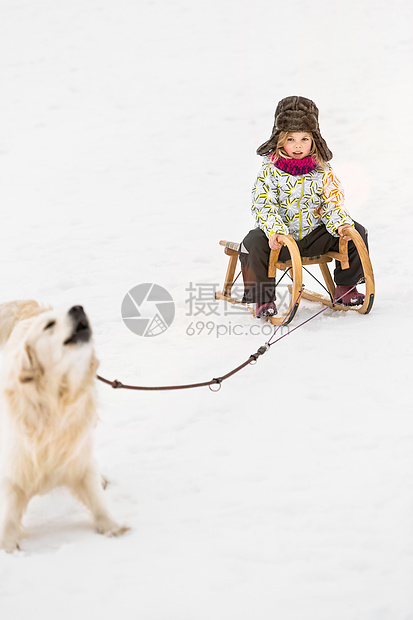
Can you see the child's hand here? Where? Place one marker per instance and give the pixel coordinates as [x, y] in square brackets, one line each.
[340, 231]
[273, 243]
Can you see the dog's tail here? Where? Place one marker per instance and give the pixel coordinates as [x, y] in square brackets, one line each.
[14, 311]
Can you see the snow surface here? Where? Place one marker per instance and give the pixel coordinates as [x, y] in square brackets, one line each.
[127, 150]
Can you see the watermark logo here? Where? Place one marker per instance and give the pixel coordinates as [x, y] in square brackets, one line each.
[209, 317]
[148, 310]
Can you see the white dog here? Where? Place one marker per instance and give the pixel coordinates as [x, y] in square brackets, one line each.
[48, 414]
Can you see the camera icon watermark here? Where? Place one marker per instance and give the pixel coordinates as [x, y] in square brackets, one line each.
[148, 310]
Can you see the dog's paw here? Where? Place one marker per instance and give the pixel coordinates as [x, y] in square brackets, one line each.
[10, 545]
[107, 527]
[118, 530]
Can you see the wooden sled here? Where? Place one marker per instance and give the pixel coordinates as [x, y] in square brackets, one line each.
[294, 266]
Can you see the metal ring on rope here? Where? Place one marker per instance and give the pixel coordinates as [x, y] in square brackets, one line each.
[218, 384]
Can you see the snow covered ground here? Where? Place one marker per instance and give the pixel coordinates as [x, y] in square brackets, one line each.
[127, 150]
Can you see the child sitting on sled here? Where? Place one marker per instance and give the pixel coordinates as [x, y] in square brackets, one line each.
[298, 194]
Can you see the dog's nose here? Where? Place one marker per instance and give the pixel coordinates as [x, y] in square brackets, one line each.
[76, 311]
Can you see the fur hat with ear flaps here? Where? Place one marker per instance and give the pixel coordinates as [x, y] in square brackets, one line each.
[296, 114]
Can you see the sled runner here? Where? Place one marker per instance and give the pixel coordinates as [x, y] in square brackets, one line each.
[294, 269]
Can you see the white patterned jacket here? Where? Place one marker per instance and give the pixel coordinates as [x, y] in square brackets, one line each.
[295, 205]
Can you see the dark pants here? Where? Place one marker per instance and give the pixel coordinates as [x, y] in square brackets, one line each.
[259, 288]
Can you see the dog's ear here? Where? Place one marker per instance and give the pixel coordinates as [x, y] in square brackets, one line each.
[12, 312]
[31, 369]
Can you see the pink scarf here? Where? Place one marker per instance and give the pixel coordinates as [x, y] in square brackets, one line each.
[295, 167]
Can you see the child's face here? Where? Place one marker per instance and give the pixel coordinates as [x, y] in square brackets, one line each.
[298, 145]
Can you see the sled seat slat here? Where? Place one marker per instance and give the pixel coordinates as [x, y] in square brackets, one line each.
[306, 260]
[231, 247]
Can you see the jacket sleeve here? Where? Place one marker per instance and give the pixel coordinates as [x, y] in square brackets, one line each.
[333, 214]
[265, 203]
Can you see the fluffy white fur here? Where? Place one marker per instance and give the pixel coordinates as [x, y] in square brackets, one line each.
[48, 414]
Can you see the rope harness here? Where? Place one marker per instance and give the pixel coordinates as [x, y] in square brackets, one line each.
[217, 381]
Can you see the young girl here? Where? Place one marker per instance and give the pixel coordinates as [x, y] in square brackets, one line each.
[297, 193]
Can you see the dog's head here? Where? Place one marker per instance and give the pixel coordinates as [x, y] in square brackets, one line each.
[58, 346]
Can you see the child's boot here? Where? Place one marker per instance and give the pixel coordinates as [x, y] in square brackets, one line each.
[264, 310]
[349, 294]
